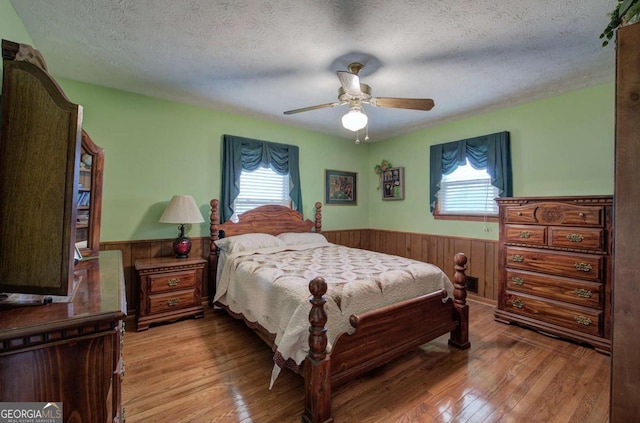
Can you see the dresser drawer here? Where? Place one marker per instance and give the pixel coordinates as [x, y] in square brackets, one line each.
[526, 234]
[575, 291]
[587, 238]
[573, 265]
[520, 214]
[573, 317]
[569, 214]
[171, 301]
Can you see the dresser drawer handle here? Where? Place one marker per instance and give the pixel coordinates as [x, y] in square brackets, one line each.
[519, 213]
[517, 258]
[585, 321]
[583, 267]
[173, 282]
[583, 293]
[575, 237]
[582, 215]
[517, 303]
[173, 301]
[517, 280]
[525, 234]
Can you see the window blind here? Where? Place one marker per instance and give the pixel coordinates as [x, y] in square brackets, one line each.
[469, 196]
[260, 187]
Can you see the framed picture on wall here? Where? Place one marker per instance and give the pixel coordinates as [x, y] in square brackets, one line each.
[393, 184]
[340, 187]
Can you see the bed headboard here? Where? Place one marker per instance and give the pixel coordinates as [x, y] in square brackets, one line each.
[270, 219]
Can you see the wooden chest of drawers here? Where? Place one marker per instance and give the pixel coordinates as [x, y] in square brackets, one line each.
[170, 288]
[555, 266]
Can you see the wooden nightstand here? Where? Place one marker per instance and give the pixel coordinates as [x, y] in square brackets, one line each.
[170, 289]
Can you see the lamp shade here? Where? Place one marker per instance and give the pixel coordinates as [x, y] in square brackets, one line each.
[354, 120]
[182, 209]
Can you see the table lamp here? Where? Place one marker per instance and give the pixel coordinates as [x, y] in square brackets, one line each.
[182, 209]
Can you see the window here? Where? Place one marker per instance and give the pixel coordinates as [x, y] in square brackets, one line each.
[243, 155]
[466, 175]
[467, 191]
[259, 187]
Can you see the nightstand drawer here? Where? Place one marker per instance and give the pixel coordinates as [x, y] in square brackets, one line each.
[575, 291]
[582, 319]
[172, 281]
[171, 301]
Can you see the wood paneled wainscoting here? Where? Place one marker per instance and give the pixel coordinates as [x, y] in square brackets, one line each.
[436, 249]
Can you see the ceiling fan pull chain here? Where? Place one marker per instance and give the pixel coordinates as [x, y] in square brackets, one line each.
[357, 137]
[366, 134]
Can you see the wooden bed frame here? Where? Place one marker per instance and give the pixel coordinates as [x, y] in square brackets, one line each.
[377, 338]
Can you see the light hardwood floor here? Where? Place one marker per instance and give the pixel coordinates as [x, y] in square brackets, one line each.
[215, 369]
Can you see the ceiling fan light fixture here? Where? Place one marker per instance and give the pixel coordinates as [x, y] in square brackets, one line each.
[355, 119]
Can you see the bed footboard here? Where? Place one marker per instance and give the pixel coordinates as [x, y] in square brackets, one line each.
[377, 338]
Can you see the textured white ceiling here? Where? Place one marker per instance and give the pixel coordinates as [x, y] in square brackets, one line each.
[260, 58]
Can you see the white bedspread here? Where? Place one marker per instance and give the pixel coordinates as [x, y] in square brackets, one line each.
[271, 287]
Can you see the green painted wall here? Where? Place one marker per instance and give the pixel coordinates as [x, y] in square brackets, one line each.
[154, 149]
[11, 27]
[562, 145]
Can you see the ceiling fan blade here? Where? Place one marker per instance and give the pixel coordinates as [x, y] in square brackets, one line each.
[306, 109]
[403, 103]
[350, 82]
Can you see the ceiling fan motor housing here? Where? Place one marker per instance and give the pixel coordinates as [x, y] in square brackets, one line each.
[364, 96]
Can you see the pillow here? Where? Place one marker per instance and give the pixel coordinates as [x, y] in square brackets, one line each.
[239, 243]
[298, 238]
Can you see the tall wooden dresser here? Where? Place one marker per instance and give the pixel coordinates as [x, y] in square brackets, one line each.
[555, 262]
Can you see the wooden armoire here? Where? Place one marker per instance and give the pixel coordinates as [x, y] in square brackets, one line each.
[625, 354]
[61, 321]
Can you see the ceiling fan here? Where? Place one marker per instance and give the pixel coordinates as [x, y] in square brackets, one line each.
[355, 94]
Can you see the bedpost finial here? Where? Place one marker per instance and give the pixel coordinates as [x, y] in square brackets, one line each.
[460, 280]
[460, 259]
[318, 287]
[318, 217]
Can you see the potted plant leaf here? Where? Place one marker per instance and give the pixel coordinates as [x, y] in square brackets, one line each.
[625, 13]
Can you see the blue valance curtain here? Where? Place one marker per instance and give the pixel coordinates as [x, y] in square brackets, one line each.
[491, 152]
[240, 153]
